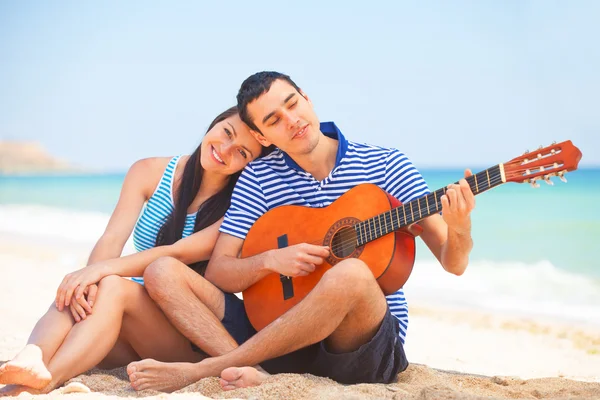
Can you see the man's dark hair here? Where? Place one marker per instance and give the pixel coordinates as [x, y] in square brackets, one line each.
[253, 87]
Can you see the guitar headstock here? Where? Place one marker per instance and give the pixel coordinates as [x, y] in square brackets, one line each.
[554, 160]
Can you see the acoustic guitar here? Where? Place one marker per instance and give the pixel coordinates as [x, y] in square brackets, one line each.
[370, 224]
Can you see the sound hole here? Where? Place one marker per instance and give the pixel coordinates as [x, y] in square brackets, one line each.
[344, 242]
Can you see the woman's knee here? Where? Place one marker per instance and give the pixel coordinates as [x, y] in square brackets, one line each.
[113, 284]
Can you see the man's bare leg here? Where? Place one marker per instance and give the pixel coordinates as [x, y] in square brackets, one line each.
[195, 307]
[345, 325]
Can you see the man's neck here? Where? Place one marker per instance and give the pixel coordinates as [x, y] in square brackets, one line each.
[320, 162]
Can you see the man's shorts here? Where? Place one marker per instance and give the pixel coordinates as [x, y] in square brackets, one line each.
[378, 361]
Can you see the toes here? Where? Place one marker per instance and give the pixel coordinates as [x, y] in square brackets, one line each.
[231, 374]
[137, 376]
[140, 384]
[131, 368]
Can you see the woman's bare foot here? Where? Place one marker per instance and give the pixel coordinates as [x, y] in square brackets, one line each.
[235, 378]
[164, 377]
[15, 390]
[26, 369]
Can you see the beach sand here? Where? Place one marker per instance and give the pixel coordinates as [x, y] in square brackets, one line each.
[454, 352]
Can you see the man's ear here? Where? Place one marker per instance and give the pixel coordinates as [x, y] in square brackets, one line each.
[260, 138]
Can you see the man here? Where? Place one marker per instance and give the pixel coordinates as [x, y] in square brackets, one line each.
[345, 329]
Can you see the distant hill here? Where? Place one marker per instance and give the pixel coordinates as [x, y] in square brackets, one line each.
[29, 157]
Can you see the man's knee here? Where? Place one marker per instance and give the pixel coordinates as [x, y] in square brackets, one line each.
[161, 276]
[349, 275]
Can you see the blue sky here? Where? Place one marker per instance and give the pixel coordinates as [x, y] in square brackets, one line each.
[452, 84]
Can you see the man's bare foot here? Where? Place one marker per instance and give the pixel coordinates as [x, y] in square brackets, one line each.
[235, 378]
[164, 377]
[26, 369]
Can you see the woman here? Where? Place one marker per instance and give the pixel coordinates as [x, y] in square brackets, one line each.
[116, 322]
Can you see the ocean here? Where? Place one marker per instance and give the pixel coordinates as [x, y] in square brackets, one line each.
[535, 249]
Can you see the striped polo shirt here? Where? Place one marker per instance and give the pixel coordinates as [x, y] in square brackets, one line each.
[277, 180]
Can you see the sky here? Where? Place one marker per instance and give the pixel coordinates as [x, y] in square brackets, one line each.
[451, 84]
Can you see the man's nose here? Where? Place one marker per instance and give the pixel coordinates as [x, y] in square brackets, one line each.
[290, 118]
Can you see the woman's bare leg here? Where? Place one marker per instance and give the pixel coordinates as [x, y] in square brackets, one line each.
[125, 322]
[123, 310]
[28, 367]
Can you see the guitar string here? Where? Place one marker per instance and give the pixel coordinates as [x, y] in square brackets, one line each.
[349, 244]
[343, 245]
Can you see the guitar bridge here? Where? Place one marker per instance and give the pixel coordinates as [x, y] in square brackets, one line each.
[286, 282]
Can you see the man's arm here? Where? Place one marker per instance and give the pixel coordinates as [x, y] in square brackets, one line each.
[233, 274]
[230, 273]
[449, 236]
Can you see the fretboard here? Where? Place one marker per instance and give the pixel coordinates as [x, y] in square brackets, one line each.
[417, 209]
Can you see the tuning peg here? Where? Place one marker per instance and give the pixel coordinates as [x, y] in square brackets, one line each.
[541, 147]
[554, 142]
[561, 175]
[547, 180]
[533, 183]
[526, 151]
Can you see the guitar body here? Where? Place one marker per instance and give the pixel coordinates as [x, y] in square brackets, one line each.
[367, 214]
[390, 257]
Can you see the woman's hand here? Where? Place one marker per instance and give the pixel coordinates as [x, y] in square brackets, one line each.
[80, 308]
[74, 284]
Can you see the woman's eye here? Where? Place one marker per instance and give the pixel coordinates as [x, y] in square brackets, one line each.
[243, 153]
[227, 132]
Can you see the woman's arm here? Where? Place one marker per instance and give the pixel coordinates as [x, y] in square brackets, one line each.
[196, 247]
[138, 186]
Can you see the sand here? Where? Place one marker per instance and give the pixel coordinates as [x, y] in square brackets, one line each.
[454, 352]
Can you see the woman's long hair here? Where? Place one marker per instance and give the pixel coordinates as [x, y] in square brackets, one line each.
[210, 211]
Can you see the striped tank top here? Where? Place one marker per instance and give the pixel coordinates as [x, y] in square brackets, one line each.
[156, 210]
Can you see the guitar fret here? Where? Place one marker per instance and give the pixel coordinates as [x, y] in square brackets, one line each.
[488, 178]
[379, 220]
[360, 239]
[436, 201]
[387, 226]
[412, 214]
[404, 210]
[398, 217]
[427, 202]
[419, 205]
[476, 185]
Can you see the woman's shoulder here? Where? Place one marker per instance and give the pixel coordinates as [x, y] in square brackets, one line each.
[148, 172]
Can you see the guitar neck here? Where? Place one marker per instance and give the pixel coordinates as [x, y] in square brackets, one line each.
[418, 209]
